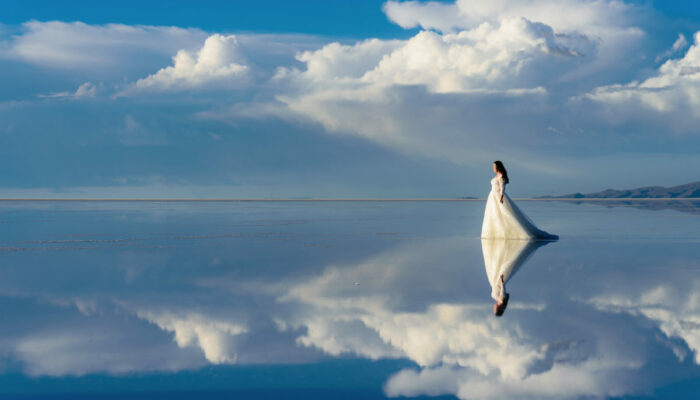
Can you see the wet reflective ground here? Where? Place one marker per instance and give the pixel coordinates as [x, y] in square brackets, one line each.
[344, 300]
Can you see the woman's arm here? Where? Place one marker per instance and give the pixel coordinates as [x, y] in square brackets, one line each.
[500, 189]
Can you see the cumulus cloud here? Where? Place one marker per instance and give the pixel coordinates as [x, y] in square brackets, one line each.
[488, 58]
[591, 17]
[492, 84]
[673, 91]
[480, 59]
[488, 85]
[481, 81]
[427, 15]
[219, 60]
[392, 95]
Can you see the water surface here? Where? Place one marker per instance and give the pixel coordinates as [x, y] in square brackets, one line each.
[342, 300]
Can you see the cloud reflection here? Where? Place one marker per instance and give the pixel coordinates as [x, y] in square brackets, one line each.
[581, 324]
[213, 336]
[538, 352]
[675, 310]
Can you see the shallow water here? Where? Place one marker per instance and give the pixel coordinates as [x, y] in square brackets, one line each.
[342, 300]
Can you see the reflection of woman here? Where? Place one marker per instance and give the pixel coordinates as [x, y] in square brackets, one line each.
[502, 257]
[501, 298]
[502, 218]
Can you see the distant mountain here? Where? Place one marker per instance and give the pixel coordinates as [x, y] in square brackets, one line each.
[689, 190]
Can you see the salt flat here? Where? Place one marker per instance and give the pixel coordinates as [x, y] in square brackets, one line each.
[342, 300]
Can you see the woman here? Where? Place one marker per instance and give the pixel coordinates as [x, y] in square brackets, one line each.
[502, 218]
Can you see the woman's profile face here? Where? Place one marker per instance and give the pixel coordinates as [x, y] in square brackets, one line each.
[494, 168]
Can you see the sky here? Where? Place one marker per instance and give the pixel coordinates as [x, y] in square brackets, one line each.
[351, 99]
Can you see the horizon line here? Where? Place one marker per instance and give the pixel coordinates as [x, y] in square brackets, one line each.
[311, 199]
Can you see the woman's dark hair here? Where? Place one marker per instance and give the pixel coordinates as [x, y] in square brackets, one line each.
[502, 307]
[500, 168]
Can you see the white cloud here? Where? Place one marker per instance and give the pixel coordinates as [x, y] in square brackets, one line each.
[488, 80]
[390, 91]
[490, 57]
[598, 17]
[219, 60]
[486, 58]
[674, 91]
[680, 44]
[483, 88]
[79, 46]
[87, 89]
[427, 15]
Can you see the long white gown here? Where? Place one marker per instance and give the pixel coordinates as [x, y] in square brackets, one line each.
[505, 220]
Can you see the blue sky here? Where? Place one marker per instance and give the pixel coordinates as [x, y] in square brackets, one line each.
[345, 98]
[338, 18]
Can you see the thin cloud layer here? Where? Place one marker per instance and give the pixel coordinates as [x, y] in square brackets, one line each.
[86, 90]
[79, 46]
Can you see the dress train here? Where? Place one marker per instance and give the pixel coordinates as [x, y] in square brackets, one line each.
[505, 220]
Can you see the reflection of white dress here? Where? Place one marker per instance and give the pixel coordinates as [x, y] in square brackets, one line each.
[504, 257]
[505, 220]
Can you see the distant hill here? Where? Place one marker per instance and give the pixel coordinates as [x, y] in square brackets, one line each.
[689, 190]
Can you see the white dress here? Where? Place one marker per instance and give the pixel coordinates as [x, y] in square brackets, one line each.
[505, 220]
